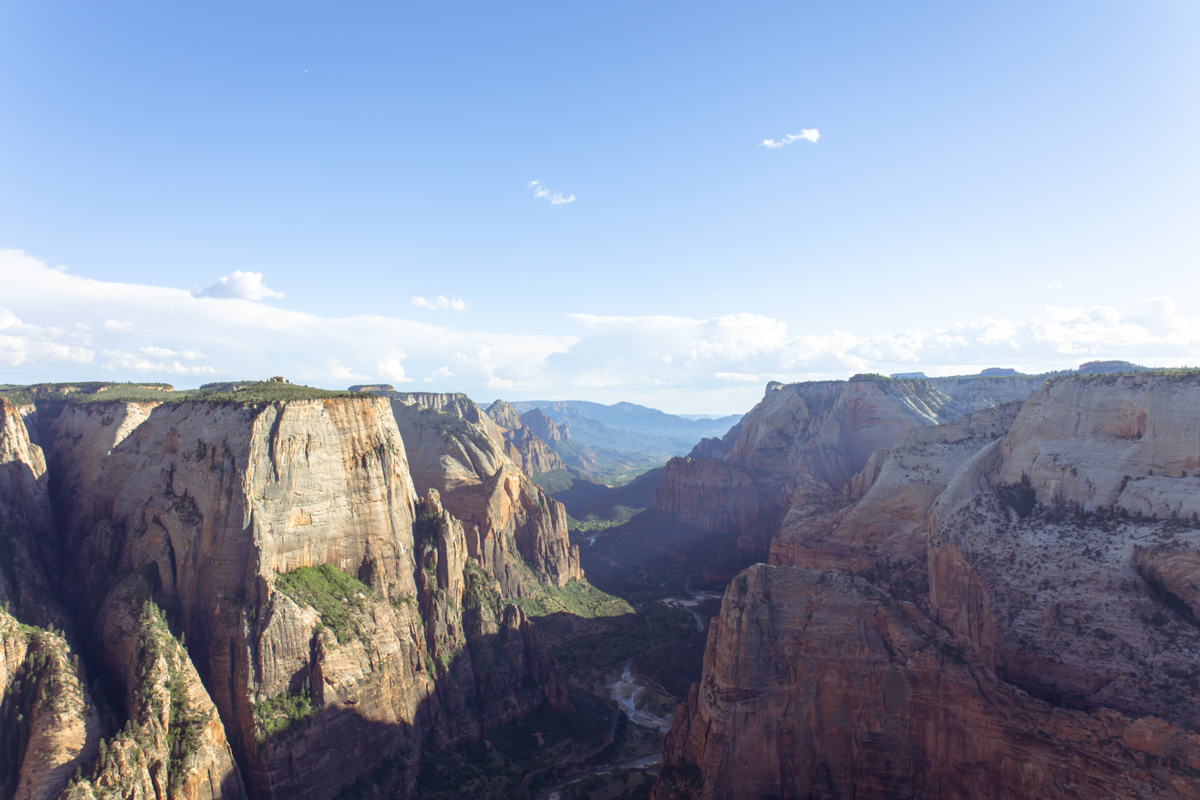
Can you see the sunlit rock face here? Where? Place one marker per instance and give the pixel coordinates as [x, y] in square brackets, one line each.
[1045, 557]
[526, 447]
[173, 529]
[511, 524]
[821, 685]
[1066, 552]
[744, 483]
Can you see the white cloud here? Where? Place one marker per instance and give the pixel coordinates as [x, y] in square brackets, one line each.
[122, 361]
[555, 198]
[1053, 285]
[440, 302]
[393, 369]
[807, 134]
[338, 371]
[236, 337]
[117, 326]
[715, 364]
[240, 286]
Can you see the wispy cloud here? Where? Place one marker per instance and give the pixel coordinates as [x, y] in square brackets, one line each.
[555, 198]
[239, 286]
[440, 303]
[807, 134]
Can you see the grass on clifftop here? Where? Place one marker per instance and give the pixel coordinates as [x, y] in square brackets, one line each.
[334, 594]
[236, 392]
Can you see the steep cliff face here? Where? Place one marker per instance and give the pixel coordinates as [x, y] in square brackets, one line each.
[334, 616]
[880, 523]
[48, 724]
[511, 524]
[825, 430]
[1066, 552]
[26, 521]
[173, 743]
[531, 453]
[820, 685]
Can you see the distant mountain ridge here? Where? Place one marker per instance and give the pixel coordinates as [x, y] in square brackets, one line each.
[627, 438]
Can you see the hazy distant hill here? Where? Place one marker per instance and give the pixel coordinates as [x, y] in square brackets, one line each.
[628, 437]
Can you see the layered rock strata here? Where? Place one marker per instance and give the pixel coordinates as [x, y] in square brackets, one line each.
[333, 615]
[745, 482]
[1052, 552]
[512, 525]
[530, 452]
[821, 685]
[1066, 552]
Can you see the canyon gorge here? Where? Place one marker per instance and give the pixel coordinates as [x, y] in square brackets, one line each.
[969, 587]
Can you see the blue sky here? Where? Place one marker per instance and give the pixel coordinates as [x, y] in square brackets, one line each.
[1008, 184]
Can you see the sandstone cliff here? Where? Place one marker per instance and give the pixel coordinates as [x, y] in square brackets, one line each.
[333, 616]
[1066, 553]
[531, 453]
[1050, 550]
[827, 430]
[881, 522]
[820, 685]
[49, 727]
[511, 523]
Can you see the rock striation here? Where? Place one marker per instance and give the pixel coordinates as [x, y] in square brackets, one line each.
[512, 524]
[1017, 586]
[333, 616]
[525, 447]
[821, 685]
[744, 483]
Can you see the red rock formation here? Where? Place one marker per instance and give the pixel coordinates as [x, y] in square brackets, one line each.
[510, 522]
[205, 506]
[1047, 557]
[531, 453]
[826, 430]
[820, 685]
[880, 523]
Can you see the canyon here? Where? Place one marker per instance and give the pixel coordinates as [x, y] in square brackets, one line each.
[268, 598]
[1000, 605]
[931, 588]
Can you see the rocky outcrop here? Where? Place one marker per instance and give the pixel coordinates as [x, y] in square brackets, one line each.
[531, 453]
[511, 523]
[881, 522]
[173, 743]
[1066, 552]
[333, 616]
[821, 685]
[49, 727]
[826, 430]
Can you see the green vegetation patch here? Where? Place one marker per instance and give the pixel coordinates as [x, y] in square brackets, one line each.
[592, 522]
[237, 392]
[578, 598]
[280, 714]
[335, 595]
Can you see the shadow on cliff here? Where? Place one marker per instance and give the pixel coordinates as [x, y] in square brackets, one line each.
[654, 555]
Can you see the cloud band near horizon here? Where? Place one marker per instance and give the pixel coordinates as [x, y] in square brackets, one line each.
[58, 326]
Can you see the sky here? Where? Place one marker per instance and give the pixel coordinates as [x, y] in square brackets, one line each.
[667, 203]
